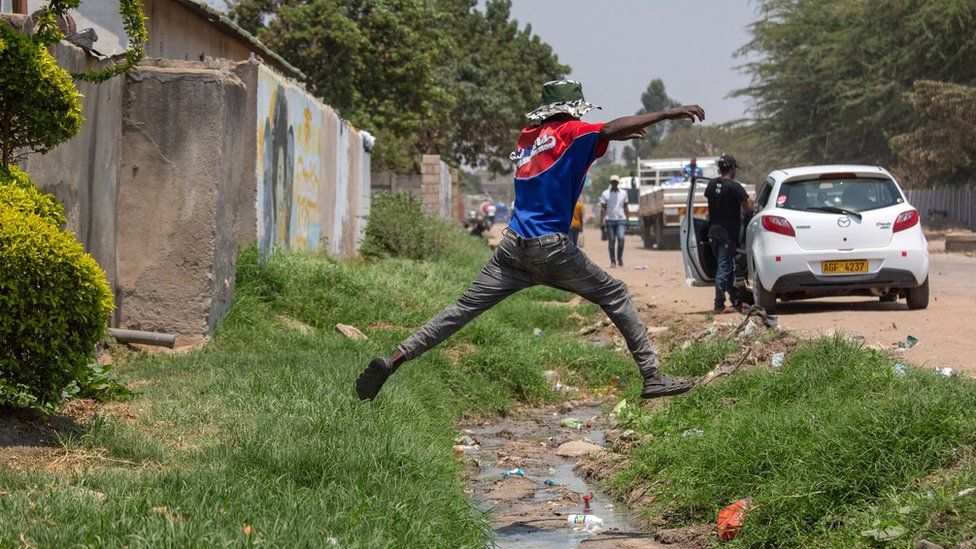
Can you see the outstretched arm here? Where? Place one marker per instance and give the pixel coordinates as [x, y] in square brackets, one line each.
[632, 127]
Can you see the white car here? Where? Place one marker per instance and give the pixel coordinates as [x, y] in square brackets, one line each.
[822, 231]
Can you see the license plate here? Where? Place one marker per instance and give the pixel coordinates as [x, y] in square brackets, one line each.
[844, 267]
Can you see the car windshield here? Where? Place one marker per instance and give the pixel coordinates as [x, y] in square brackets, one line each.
[854, 194]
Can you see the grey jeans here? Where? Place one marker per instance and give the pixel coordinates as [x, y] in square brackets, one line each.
[552, 260]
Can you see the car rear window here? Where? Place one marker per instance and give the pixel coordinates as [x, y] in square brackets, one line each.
[857, 194]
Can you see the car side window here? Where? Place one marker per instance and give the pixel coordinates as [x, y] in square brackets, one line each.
[763, 195]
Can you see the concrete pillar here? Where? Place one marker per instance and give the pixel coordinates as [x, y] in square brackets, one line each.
[430, 184]
[180, 159]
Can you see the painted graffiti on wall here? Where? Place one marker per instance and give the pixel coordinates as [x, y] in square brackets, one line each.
[288, 165]
[312, 171]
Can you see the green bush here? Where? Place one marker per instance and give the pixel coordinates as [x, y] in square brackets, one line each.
[55, 302]
[398, 228]
[17, 192]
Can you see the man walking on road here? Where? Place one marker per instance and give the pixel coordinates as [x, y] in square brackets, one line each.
[613, 215]
[726, 200]
[551, 161]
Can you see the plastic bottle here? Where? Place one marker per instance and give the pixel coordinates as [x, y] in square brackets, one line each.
[513, 472]
[465, 448]
[731, 518]
[589, 523]
[572, 423]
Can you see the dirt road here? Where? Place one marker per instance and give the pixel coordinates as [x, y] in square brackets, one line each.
[946, 330]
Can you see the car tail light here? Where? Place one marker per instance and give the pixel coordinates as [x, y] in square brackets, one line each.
[777, 224]
[905, 220]
[842, 175]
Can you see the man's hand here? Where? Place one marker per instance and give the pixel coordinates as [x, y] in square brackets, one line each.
[691, 112]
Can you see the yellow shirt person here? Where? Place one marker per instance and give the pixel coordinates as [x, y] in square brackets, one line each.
[576, 226]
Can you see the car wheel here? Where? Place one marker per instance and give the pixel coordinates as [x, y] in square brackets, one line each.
[764, 299]
[918, 298]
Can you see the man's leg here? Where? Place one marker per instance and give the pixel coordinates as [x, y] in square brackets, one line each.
[718, 248]
[611, 241]
[730, 287]
[574, 272]
[621, 232]
[498, 279]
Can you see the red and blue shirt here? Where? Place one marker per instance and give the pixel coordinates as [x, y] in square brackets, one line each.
[551, 162]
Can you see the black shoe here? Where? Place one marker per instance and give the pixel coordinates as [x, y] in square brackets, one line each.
[371, 380]
[660, 385]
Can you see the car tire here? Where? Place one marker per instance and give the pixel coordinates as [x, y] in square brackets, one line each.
[918, 298]
[764, 299]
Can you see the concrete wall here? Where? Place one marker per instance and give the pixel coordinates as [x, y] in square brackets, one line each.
[181, 154]
[180, 163]
[435, 187]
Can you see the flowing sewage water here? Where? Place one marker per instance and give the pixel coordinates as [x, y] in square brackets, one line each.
[534, 515]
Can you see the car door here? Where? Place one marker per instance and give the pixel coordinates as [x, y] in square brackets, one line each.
[696, 254]
[762, 198]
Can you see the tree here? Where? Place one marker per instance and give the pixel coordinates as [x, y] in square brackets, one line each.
[427, 76]
[943, 142]
[830, 77]
[655, 98]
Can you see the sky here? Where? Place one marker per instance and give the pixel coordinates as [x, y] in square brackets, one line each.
[615, 47]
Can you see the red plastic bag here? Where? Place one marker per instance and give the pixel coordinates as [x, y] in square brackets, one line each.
[730, 519]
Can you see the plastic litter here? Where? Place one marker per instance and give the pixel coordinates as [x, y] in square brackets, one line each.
[550, 482]
[466, 440]
[640, 267]
[619, 407]
[586, 523]
[537, 332]
[731, 518]
[909, 342]
[778, 359]
[693, 433]
[966, 492]
[899, 369]
[586, 501]
[609, 506]
[560, 388]
[513, 473]
[947, 372]
[571, 423]
[466, 448]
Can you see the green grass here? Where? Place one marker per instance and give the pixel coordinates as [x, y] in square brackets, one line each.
[262, 427]
[818, 444]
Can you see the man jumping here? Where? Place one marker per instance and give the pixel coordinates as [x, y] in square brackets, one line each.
[551, 161]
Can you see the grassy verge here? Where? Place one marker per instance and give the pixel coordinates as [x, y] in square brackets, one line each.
[258, 437]
[828, 446]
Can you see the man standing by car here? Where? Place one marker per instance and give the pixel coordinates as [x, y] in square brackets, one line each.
[551, 159]
[613, 215]
[726, 202]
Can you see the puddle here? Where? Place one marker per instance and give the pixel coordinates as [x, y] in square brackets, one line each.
[532, 514]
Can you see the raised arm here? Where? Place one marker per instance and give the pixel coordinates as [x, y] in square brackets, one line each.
[632, 127]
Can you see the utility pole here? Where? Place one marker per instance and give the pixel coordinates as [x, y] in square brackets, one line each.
[20, 6]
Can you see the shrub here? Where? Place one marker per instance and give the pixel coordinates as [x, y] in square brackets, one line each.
[398, 228]
[40, 101]
[55, 302]
[17, 192]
